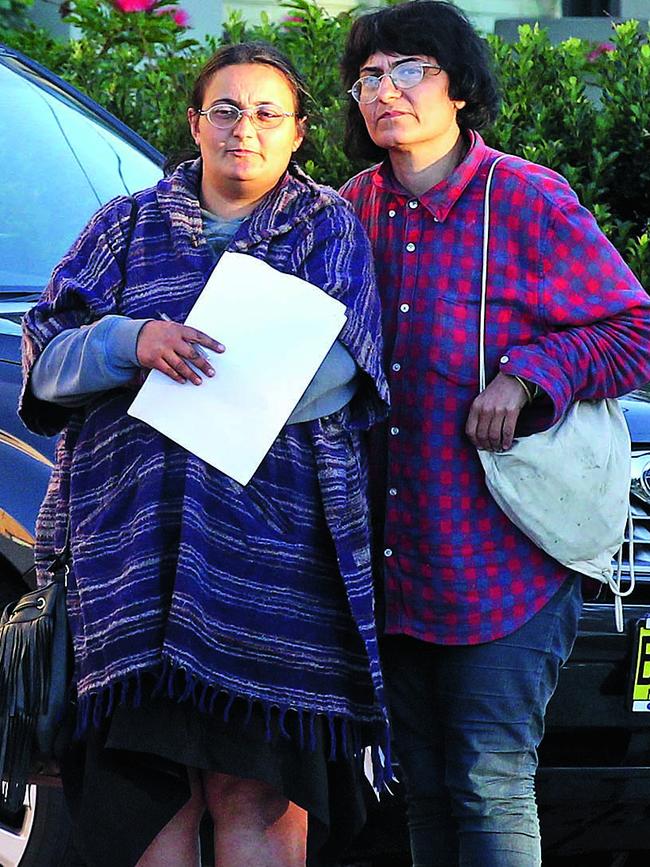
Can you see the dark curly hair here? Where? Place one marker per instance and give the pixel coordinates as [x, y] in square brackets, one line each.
[436, 29]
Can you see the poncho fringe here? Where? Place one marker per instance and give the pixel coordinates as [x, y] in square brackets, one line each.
[346, 735]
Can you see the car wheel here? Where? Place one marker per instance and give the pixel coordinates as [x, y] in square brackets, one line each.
[39, 835]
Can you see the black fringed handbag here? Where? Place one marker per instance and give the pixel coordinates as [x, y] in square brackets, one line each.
[35, 667]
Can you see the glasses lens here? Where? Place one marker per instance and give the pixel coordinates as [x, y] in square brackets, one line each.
[223, 115]
[365, 89]
[268, 116]
[407, 75]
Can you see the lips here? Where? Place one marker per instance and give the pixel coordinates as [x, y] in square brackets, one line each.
[391, 115]
[242, 152]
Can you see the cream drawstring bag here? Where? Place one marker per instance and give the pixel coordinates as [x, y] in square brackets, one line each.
[567, 488]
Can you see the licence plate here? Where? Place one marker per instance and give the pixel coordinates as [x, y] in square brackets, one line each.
[640, 683]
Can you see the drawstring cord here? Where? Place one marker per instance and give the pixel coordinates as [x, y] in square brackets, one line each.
[615, 581]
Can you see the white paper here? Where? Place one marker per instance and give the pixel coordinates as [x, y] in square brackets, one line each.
[277, 329]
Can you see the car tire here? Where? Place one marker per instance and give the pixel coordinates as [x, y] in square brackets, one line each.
[40, 834]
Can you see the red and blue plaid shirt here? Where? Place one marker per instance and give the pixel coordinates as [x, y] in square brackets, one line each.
[563, 311]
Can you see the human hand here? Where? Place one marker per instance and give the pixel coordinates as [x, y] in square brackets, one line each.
[169, 346]
[493, 415]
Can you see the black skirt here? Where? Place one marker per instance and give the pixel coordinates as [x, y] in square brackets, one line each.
[125, 781]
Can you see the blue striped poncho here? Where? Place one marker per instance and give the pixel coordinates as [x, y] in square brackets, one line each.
[261, 593]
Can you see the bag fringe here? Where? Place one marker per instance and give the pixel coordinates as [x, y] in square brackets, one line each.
[25, 649]
[17, 753]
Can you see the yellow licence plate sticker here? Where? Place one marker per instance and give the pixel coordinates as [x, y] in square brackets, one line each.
[641, 681]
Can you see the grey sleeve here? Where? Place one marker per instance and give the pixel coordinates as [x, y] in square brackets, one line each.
[80, 362]
[333, 386]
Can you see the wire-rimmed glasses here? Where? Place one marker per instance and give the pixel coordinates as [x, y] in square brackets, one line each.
[224, 115]
[405, 75]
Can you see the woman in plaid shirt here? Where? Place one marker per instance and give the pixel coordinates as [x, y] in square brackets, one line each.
[477, 619]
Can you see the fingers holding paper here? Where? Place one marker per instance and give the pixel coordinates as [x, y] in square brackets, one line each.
[493, 415]
[175, 350]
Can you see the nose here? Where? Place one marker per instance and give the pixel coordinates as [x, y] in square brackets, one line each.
[242, 129]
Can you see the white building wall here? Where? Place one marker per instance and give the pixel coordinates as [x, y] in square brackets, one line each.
[207, 16]
[483, 13]
[251, 9]
[635, 8]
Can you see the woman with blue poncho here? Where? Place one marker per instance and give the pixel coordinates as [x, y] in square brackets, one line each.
[224, 640]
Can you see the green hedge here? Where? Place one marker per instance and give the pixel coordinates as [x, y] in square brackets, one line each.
[583, 112]
[12, 12]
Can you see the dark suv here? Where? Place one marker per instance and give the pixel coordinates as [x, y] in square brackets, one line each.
[62, 156]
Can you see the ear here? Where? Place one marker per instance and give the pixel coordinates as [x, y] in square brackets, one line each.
[193, 120]
[459, 104]
[301, 130]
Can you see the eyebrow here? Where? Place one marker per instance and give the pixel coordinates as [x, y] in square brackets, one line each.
[374, 69]
[236, 104]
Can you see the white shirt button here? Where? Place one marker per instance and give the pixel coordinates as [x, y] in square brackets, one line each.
[413, 204]
[410, 246]
[392, 492]
[404, 308]
[436, 220]
[397, 366]
[388, 552]
[504, 359]
[391, 213]
[394, 431]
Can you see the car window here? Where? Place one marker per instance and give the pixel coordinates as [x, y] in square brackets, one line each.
[58, 164]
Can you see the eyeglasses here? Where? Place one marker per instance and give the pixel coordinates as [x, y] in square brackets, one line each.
[223, 115]
[404, 76]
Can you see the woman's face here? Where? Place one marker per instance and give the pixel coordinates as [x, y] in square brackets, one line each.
[245, 160]
[417, 118]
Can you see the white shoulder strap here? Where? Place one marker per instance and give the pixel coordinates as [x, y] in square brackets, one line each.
[484, 273]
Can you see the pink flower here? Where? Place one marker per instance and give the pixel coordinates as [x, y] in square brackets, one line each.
[133, 5]
[180, 16]
[599, 50]
[292, 19]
